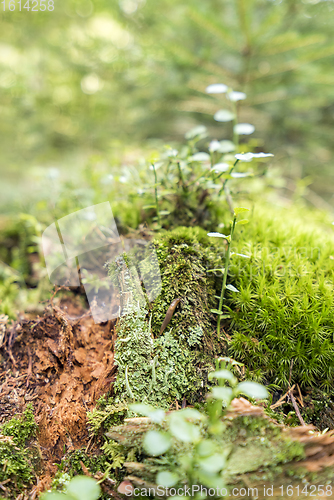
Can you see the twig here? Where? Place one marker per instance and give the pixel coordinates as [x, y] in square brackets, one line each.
[29, 366]
[89, 443]
[10, 342]
[4, 482]
[281, 399]
[84, 468]
[296, 409]
[300, 396]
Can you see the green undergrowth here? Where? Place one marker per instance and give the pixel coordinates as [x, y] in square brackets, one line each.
[23, 281]
[106, 414]
[71, 465]
[19, 454]
[161, 368]
[249, 443]
[282, 319]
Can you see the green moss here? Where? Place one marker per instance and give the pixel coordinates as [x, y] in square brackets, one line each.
[257, 443]
[158, 368]
[71, 466]
[106, 414]
[19, 456]
[21, 429]
[319, 410]
[283, 317]
[190, 342]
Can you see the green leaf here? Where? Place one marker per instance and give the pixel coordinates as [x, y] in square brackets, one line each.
[191, 414]
[240, 175]
[164, 212]
[141, 408]
[214, 464]
[198, 132]
[223, 375]
[156, 443]
[223, 115]
[200, 157]
[215, 311]
[253, 390]
[156, 415]
[54, 495]
[240, 210]
[232, 288]
[243, 221]
[146, 207]
[84, 488]
[217, 235]
[166, 479]
[205, 448]
[226, 147]
[244, 129]
[210, 480]
[183, 430]
[222, 393]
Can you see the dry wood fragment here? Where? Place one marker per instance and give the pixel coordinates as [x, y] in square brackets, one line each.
[300, 397]
[296, 409]
[281, 399]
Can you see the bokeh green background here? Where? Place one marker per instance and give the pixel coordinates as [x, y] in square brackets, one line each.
[117, 78]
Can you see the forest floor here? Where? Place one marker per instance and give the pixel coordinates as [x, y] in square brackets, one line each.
[62, 366]
[63, 362]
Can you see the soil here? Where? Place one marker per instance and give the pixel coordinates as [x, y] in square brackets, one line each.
[62, 366]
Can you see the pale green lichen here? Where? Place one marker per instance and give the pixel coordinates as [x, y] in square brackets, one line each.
[158, 368]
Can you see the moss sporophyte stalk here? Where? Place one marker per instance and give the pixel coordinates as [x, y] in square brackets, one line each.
[228, 239]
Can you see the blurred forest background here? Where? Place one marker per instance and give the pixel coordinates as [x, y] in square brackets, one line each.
[111, 80]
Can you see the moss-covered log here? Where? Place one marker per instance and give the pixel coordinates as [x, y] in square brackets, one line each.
[172, 365]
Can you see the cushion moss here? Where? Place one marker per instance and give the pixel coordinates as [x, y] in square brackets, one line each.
[283, 317]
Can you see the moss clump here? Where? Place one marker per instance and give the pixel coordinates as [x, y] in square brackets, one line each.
[158, 368]
[185, 255]
[18, 454]
[283, 317]
[257, 443]
[21, 429]
[106, 414]
[318, 410]
[71, 465]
